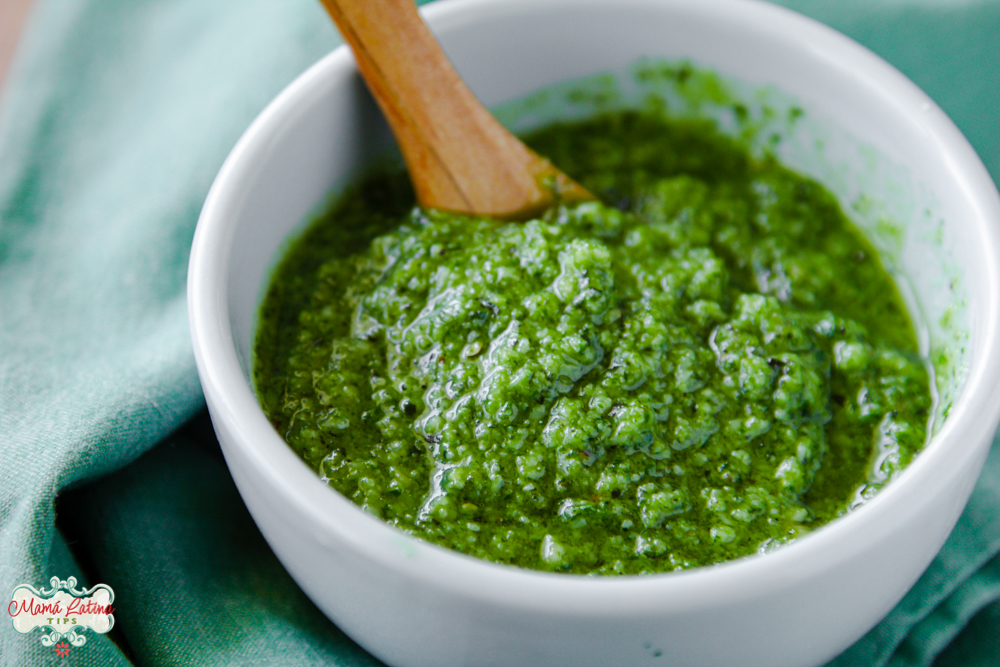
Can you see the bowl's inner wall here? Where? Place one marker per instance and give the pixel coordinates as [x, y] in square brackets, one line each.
[858, 137]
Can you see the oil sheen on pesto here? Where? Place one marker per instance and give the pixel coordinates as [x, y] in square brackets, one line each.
[708, 364]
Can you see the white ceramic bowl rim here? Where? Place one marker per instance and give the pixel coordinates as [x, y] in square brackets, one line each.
[973, 416]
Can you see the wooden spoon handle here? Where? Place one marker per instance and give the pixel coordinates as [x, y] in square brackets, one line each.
[459, 157]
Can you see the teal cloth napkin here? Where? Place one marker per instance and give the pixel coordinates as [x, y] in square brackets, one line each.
[113, 124]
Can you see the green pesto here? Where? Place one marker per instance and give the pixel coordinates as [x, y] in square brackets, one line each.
[707, 365]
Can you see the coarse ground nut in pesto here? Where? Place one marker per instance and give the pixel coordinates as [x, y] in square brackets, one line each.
[710, 363]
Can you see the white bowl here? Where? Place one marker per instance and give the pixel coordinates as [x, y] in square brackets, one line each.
[412, 603]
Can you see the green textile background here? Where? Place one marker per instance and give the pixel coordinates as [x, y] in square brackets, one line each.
[117, 115]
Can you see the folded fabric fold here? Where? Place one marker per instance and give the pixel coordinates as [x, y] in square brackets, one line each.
[195, 580]
[929, 637]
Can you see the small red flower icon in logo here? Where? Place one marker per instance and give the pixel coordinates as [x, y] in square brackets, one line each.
[62, 649]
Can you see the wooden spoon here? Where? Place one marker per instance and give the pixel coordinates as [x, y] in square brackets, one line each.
[460, 158]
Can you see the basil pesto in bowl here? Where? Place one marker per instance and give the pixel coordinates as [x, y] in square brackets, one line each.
[703, 371]
[655, 293]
